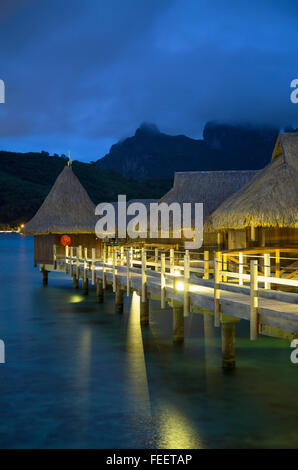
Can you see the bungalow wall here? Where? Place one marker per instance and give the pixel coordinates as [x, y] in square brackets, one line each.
[43, 245]
[260, 237]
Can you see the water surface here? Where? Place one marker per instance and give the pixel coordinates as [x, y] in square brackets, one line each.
[77, 375]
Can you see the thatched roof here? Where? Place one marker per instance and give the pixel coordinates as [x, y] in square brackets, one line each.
[270, 199]
[66, 209]
[209, 187]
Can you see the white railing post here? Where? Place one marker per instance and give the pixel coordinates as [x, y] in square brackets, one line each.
[66, 259]
[217, 263]
[172, 260]
[225, 267]
[85, 263]
[206, 264]
[156, 258]
[55, 256]
[267, 269]
[277, 263]
[71, 261]
[93, 266]
[240, 268]
[122, 256]
[253, 299]
[163, 280]
[186, 303]
[78, 258]
[128, 261]
[144, 261]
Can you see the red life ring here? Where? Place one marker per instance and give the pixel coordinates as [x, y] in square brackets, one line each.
[65, 240]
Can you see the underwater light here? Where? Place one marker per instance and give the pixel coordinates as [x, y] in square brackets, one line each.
[74, 299]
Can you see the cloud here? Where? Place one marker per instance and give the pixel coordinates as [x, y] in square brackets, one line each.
[90, 72]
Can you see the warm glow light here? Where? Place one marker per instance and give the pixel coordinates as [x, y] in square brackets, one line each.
[22, 225]
[177, 430]
[74, 299]
[179, 285]
[136, 373]
[176, 273]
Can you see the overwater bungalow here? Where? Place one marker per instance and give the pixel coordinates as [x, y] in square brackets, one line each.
[66, 217]
[208, 187]
[264, 212]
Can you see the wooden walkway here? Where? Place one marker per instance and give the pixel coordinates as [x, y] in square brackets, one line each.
[175, 279]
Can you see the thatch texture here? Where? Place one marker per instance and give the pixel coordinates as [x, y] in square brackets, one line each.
[209, 187]
[67, 209]
[270, 199]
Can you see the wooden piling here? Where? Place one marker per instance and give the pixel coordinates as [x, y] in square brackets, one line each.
[75, 282]
[118, 299]
[228, 345]
[85, 286]
[178, 324]
[99, 291]
[44, 277]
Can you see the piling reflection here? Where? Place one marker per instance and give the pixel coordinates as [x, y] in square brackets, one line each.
[136, 365]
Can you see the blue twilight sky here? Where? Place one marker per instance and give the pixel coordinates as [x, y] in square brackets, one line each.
[82, 74]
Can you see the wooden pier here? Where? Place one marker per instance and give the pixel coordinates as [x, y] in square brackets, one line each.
[231, 286]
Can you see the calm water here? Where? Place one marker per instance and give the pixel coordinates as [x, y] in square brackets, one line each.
[79, 375]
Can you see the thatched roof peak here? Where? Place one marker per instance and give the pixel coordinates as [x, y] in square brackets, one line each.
[270, 199]
[209, 187]
[66, 209]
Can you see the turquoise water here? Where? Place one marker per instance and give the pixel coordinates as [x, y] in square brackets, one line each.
[77, 375]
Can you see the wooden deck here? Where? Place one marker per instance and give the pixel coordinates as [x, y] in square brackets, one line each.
[177, 279]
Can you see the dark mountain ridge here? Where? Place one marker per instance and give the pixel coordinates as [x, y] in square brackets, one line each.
[153, 154]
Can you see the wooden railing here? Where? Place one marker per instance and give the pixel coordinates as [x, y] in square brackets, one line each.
[181, 270]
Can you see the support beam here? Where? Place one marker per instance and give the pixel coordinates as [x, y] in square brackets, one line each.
[118, 299]
[228, 345]
[144, 310]
[85, 286]
[178, 324]
[44, 277]
[75, 282]
[99, 291]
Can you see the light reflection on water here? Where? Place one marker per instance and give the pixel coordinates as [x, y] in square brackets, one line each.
[136, 364]
[79, 375]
